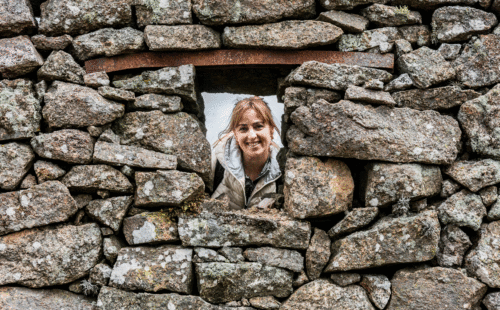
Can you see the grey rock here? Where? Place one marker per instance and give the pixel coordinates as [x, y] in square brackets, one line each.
[106, 231]
[108, 42]
[354, 220]
[76, 17]
[170, 12]
[369, 96]
[204, 255]
[295, 97]
[45, 43]
[22, 298]
[244, 228]
[110, 212]
[450, 51]
[345, 278]
[283, 35]
[374, 85]
[17, 18]
[402, 47]
[350, 23]
[287, 259]
[79, 106]
[475, 174]
[489, 195]
[220, 12]
[327, 129]
[96, 79]
[90, 178]
[347, 5]
[317, 189]
[28, 182]
[419, 35]
[400, 83]
[449, 188]
[18, 57]
[426, 67]
[453, 244]
[166, 104]
[49, 256]
[69, 145]
[463, 209]
[116, 94]
[321, 294]
[61, 66]
[494, 213]
[265, 303]
[300, 279]
[440, 98]
[384, 15]
[128, 171]
[432, 4]
[317, 254]
[111, 247]
[99, 275]
[47, 171]
[233, 254]
[223, 282]
[15, 161]
[389, 241]
[40, 205]
[181, 38]
[492, 301]
[378, 288]
[460, 23]
[152, 269]
[383, 38]
[82, 200]
[150, 227]
[108, 136]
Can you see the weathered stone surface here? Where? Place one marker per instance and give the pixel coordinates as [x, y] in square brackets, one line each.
[475, 174]
[494, 213]
[244, 228]
[174, 134]
[40, 205]
[390, 241]
[370, 96]
[354, 220]
[483, 261]
[217, 12]
[28, 182]
[17, 17]
[21, 298]
[150, 227]
[350, 23]
[283, 35]
[99, 275]
[383, 38]
[316, 189]
[295, 97]
[463, 209]
[110, 212]
[385, 15]
[82, 200]
[327, 129]
[347, 5]
[204, 255]
[450, 51]
[49, 256]
[435, 288]
[321, 294]
[378, 288]
[460, 23]
[69, 145]
[489, 195]
[181, 38]
[440, 98]
[233, 254]
[453, 244]
[61, 66]
[416, 34]
[166, 104]
[90, 178]
[400, 83]
[77, 17]
[426, 67]
[300, 279]
[345, 278]
[116, 94]
[108, 42]
[46, 171]
[223, 282]
[111, 247]
[18, 56]
[265, 303]
[153, 269]
[432, 4]
[96, 79]
[492, 301]
[402, 47]
[386, 183]
[43, 42]
[374, 85]
[15, 161]
[318, 254]
[170, 12]
[287, 259]
[449, 188]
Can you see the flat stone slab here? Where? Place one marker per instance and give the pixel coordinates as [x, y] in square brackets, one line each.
[96, 79]
[15, 161]
[69, 145]
[181, 38]
[223, 282]
[475, 174]
[283, 35]
[380, 38]
[22, 298]
[90, 178]
[492, 301]
[150, 227]
[440, 98]
[46, 171]
[166, 104]
[18, 56]
[244, 228]
[453, 244]
[350, 23]
[17, 18]
[317, 254]
[354, 220]
[62, 67]
[378, 288]
[326, 129]
[45, 43]
[153, 269]
[49, 256]
[463, 209]
[110, 212]
[170, 12]
[389, 241]
[282, 258]
[357, 93]
[384, 15]
[116, 94]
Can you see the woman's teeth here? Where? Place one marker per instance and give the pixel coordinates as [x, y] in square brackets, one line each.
[253, 144]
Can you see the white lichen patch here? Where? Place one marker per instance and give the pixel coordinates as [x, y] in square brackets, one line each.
[120, 271]
[145, 234]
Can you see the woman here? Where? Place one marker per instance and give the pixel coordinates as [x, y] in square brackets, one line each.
[244, 164]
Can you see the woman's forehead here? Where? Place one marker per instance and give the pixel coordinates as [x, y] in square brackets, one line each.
[250, 116]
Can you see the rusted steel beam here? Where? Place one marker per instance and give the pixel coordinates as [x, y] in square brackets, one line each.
[225, 58]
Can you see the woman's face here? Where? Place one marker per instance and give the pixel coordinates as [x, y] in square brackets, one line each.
[253, 135]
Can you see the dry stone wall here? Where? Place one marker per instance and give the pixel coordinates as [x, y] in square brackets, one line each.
[389, 196]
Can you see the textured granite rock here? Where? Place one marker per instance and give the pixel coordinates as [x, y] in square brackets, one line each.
[322, 294]
[453, 244]
[204, 255]
[166, 104]
[45, 43]
[475, 174]
[494, 213]
[18, 57]
[345, 278]
[435, 288]
[463, 209]
[17, 18]
[110, 212]
[460, 23]
[244, 228]
[96, 79]
[152, 269]
[300, 279]
[389, 241]
[69, 145]
[170, 12]
[77, 17]
[181, 38]
[69, 105]
[384, 15]
[108, 42]
[99, 275]
[150, 227]
[265, 303]
[61, 66]
[111, 247]
[402, 47]
[233, 254]
[317, 189]
[49, 256]
[90, 178]
[28, 182]
[47, 171]
[220, 12]
[354, 220]
[492, 301]
[40, 205]
[400, 83]
[116, 94]
[382, 38]
[450, 51]
[357, 93]
[440, 98]
[449, 188]
[15, 161]
[378, 288]
[283, 35]
[432, 4]
[295, 97]
[223, 282]
[317, 254]
[347, 5]
[282, 258]
[349, 23]
[489, 195]
[374, 85]
[419, 35]
[328, 129]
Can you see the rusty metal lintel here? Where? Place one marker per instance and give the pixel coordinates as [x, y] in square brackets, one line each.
[236, 58]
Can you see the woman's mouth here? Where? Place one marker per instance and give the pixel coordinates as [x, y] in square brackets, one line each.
[254, 144]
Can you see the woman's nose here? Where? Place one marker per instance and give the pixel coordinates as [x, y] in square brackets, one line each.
[251, 133]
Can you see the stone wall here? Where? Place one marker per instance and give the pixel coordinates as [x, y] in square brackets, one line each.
[389, 192]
